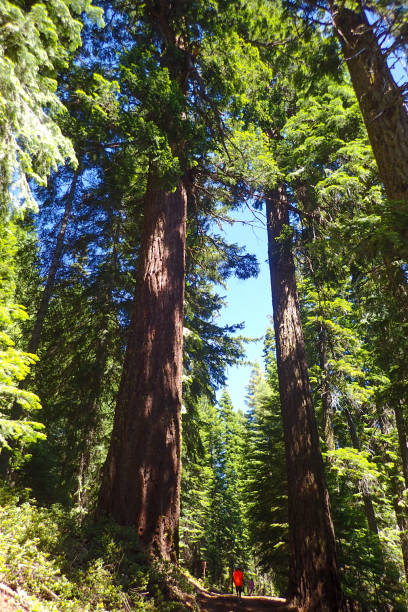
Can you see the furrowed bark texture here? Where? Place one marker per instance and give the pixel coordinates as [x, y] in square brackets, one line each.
[313, 579]
[141, 479]
[381, 101]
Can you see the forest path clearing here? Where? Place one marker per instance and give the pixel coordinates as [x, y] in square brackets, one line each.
[214, 602]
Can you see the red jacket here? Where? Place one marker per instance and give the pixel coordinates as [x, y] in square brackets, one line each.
[238, 577]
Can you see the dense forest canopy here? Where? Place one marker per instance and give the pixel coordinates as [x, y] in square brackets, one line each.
[130, 135]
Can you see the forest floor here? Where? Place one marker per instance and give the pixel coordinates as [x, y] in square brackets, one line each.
[208, 602]
[215, 602]
[9, 600]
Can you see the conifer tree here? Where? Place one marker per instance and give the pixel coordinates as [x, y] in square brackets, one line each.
[211, 109]
[268, 178]
[346, 188]
[313, 577]
[214, 528]
[151, 500]
[372, 38]
[35, 42]
[265, 477]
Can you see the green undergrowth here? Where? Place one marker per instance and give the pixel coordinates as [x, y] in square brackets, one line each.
[57, 565]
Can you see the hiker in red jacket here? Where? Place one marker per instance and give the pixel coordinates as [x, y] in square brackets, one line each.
[238, 578]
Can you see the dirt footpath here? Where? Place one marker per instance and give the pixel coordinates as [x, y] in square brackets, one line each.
[214, 602]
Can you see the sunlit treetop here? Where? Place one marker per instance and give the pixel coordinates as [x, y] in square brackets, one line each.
[35, 42]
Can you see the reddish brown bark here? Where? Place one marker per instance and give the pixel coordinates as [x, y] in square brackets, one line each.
[313, 579]
[381, 101]
[141, 479]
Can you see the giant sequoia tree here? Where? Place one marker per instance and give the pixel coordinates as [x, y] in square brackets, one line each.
[141, 481]
[313, 579]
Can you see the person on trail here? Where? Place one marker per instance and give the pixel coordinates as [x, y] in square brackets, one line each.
[238, 577]
[250, 586]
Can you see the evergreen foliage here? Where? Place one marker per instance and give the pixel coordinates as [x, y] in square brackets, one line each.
[235, 99]
[54, 565]
[265, 483]
[14, 363]
[35, 43]
[214, 530]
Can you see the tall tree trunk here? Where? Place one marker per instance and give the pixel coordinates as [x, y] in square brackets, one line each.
[381, 100]
[313, 580]
[141, 478]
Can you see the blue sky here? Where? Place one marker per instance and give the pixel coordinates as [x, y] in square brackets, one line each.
[249, 301]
